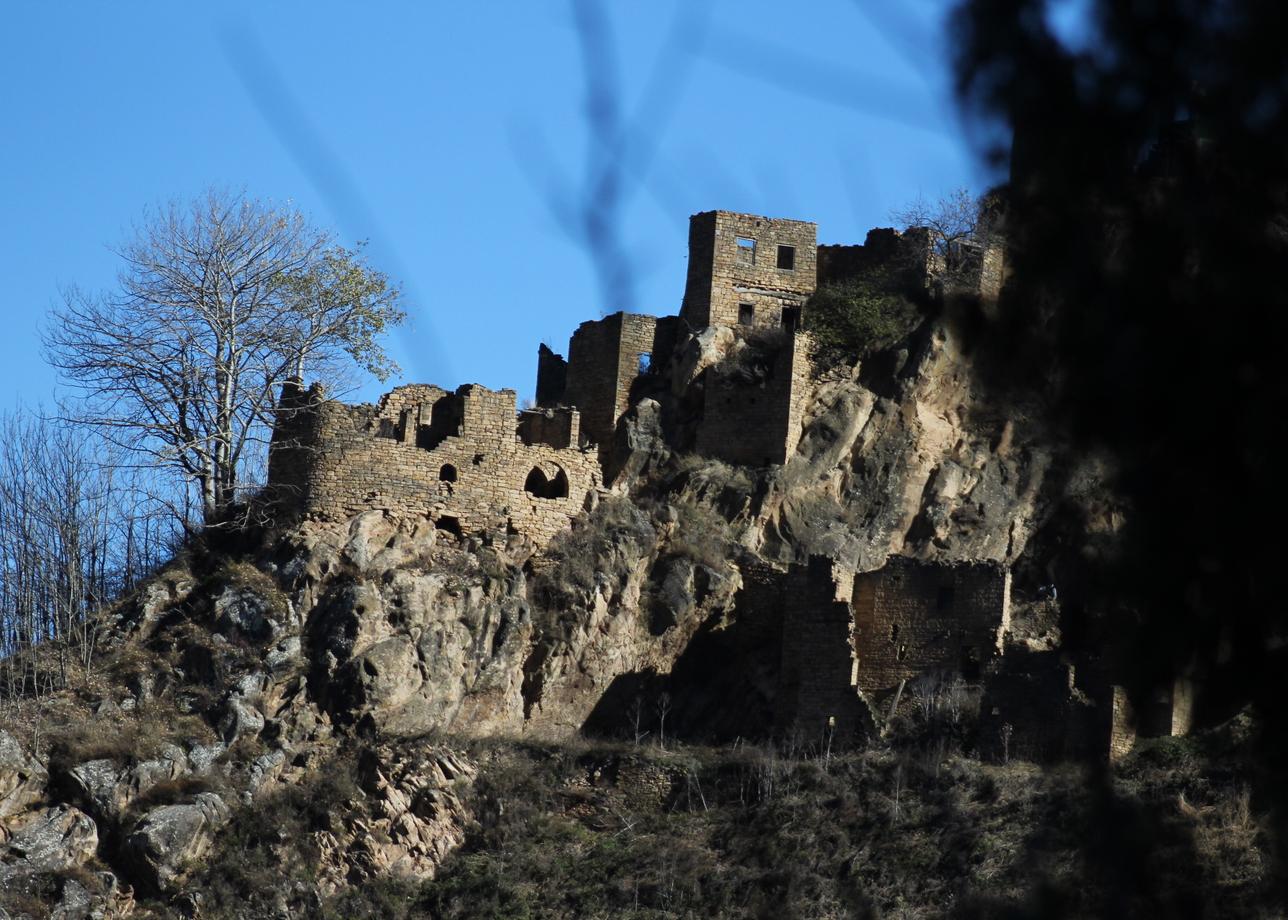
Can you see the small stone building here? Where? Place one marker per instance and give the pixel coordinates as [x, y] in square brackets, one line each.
[914, 617]
[466, 459]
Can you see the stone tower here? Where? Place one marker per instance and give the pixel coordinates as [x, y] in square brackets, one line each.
[748, 270]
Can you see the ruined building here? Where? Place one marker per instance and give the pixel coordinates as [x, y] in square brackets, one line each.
[470, 461]
[849, 643]
[466, 459]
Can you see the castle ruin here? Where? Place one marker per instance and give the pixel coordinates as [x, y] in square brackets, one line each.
[848, 642]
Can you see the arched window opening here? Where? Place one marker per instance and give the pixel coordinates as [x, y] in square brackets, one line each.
[559, 485]
[536, 484]
[447, 473]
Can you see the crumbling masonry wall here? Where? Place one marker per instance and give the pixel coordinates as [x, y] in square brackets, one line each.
[737, 271]
[757, 421]
[818, 691]
[850, 640]
[605, 357]
[465, 459]
[912, 618]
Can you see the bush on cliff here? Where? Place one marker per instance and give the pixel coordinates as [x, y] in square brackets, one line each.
[861, 315]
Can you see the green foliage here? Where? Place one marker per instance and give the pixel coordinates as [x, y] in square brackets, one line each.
[340, 302]
[860, 315]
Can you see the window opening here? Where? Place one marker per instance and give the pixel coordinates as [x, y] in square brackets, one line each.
[447, 473]
[536, 484]
[559, 485]
[645, 362]
[746, 314]
[746, 251]
[791, 318]
[787, 257]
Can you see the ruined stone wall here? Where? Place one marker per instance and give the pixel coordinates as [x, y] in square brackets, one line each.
[603, 362]
[559, 427]
[1122, 724]
[358, 458]
[913, 618]
[552, 377]
[818, 678]
[907, 255]
[731, 284]
[992, 271]
[757, 422]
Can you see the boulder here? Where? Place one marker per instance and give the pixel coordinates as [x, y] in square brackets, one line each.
[172, 836]
[244, 610]
[97, 785]
[22, 777]
[49, 840]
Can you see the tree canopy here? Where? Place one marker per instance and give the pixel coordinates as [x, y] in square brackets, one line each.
[219, 301]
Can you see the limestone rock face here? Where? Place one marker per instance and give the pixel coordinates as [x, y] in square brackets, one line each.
[170, 836]
[50, 839]
[914, 464]
[413, 650]
[415, 817]
[22, 778]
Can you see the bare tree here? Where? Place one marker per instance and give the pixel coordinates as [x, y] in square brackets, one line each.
[219, 302]
[951, 219]
[958, 226]
[71, 541]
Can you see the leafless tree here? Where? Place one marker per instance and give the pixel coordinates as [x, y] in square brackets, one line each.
[952, 219]
[218, 303]
[663, 710]
[71, 541]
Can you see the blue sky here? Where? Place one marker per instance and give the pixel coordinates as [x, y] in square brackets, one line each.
[453, 137]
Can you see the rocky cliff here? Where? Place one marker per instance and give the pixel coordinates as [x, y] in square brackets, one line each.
[342, 668]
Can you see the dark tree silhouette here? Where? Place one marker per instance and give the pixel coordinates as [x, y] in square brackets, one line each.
[1147, 228]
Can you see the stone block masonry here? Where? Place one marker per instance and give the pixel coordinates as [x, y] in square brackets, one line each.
[605, 358]
[758, 421]
[748, 270]
[851, 640]
[465, 459]
[913, 618]
[818, 695]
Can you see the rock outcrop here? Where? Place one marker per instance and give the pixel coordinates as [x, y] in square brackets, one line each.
[368, 642]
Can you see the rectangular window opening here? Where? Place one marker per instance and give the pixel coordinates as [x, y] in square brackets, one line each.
[746, 314]
[746, 251]
[791, 318]
[787, 257]
[646, 361]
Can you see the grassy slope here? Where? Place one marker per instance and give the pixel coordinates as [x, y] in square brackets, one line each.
[601, 831]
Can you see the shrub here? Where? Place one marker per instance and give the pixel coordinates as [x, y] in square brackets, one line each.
[860, 315]
[605, 543]
[701, 535]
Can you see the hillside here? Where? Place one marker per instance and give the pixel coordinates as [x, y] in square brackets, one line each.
[677, 684]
